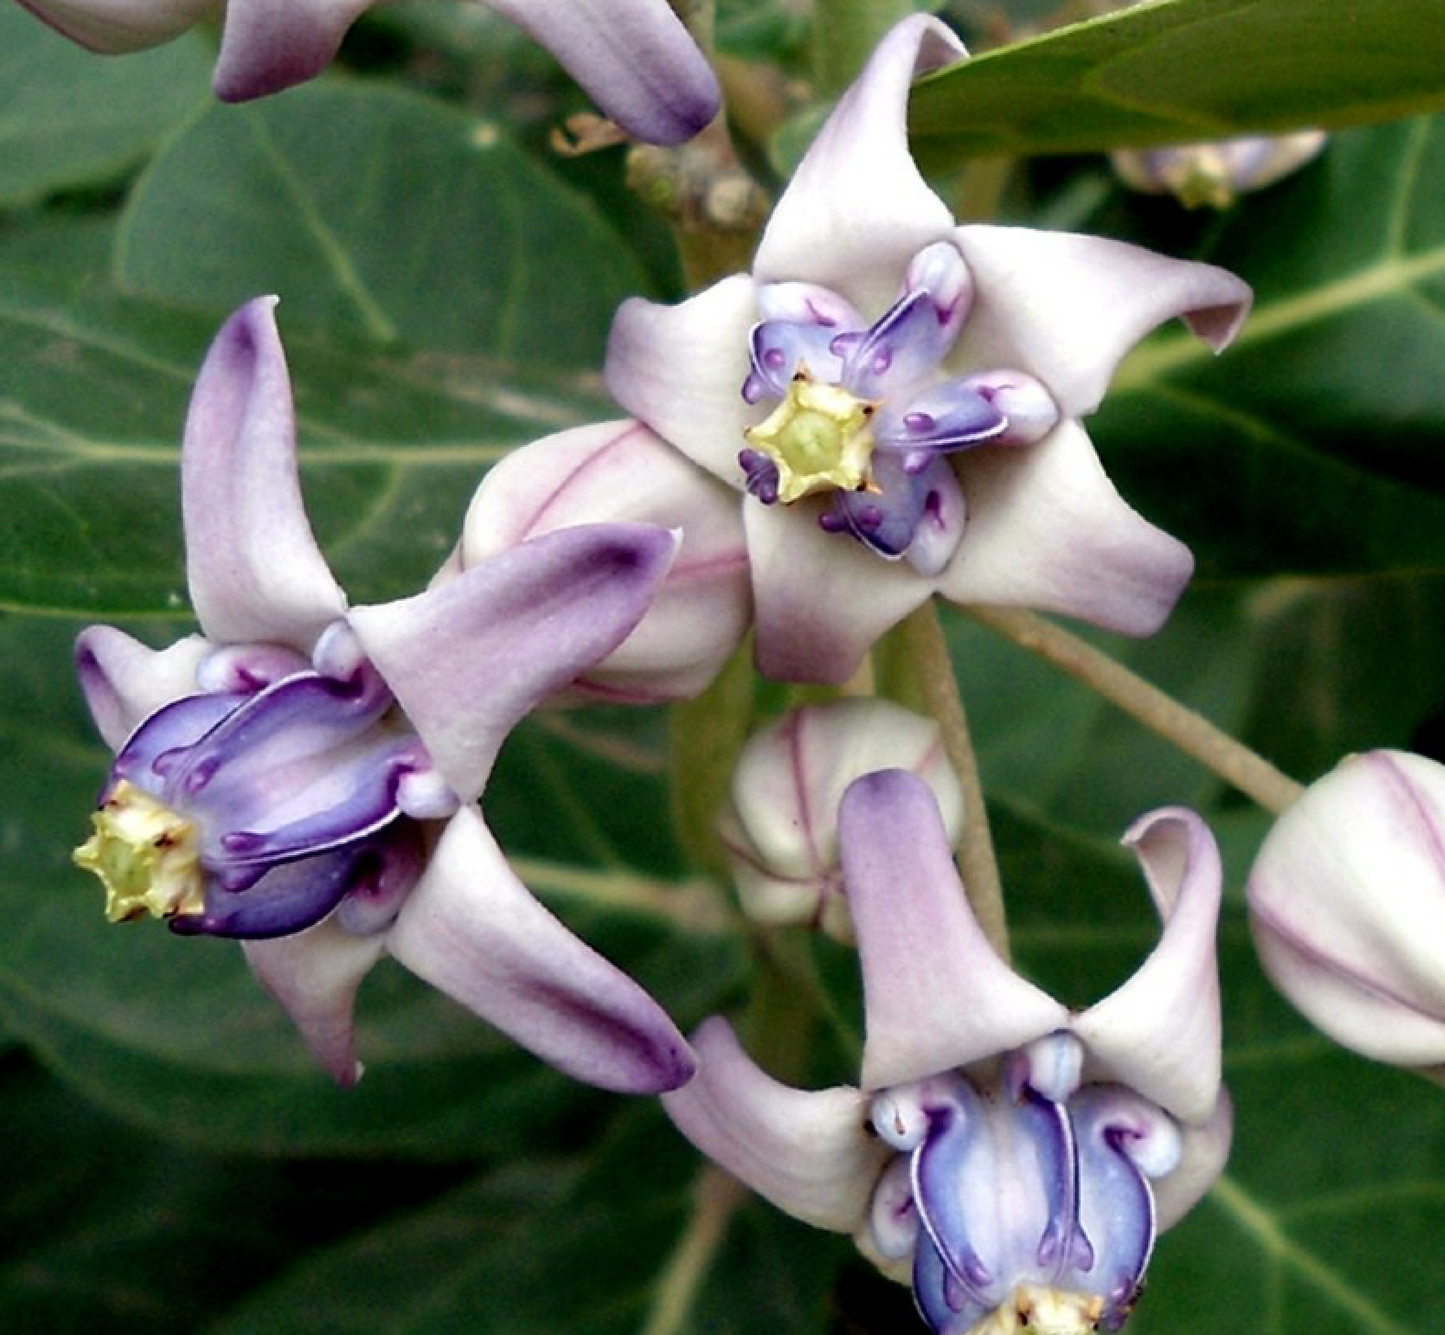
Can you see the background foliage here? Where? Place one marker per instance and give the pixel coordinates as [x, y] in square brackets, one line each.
[175, 1163]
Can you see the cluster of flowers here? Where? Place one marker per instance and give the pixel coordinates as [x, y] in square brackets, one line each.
[886, 408]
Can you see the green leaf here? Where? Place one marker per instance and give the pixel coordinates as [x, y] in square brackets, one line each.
[382, 215]
[1312, 444]
[72, 119]
[1185, 70]
[93, 393]
[640, 1239]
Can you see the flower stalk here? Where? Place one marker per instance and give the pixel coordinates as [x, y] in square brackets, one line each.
[1191, 732]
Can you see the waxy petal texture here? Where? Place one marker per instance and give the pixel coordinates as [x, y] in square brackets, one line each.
[473, 930]
[268, 45]
[936, 995]
[124, 680]
[1347, 907]
[473, 655]
[806, 1152]
[616, 472]
[254, 569]
[1159, 1032]
[634, 58]
[118, 26]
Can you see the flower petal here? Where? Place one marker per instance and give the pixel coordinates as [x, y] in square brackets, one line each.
[1066, 308]
[936, 995]
[820, 599]
[634, 58]
[1046, 529]
[124, 681]
[621, 471]
[472, 929]
[681, 370]
[1159, 1032]
[1204, 1152]
[858, 210]
[254, 568]
[806, 1152]
[268, 45]
[472, 656]
[315, 975]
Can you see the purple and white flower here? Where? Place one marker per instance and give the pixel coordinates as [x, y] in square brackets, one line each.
[1011, 1156]
[634, 57]
[900, 397]
[620, 471]
[780, 825]
[303, 775]
[1347, 907]
[1215, 174]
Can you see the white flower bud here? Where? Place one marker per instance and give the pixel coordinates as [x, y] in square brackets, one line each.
[1347, 904]
[781, 827]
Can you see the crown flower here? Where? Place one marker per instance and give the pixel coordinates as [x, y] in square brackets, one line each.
[303, 775]
[900, 398]
[1012, 1158]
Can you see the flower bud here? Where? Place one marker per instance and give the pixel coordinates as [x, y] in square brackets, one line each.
[1347, 905]
[1215, 174]
[781, 827]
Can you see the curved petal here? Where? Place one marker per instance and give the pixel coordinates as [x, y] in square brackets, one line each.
[681, 370]
[268, 45]
[118, 26]
[124, 681]
[469, 658]
[315, 975]
[622, 471]
[806, 1152]
[1205, 1151]
[820, 599]
[1047, 530]
[634, 58]
[1159, 1032]
[1066, 308]
[472, 929]
[858, 210]
[935, 994]
[254, 568]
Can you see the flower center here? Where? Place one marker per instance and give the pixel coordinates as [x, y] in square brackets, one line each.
[819, 438]
[1038, 1310]
[147, 857]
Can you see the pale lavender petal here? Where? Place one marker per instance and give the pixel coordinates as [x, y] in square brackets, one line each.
[315, 975]
[805, 1151]
[622, 471]
[1066, 307]
[268, 45]
[936, 994]
[821, 600]
[254, 568]
[1159, 1032]
[1204, 1150]
[124, 681]
[681, 370]
[119, 26]
[634, 58]
[1047, 530]
[472, 929]
[858, 210]
[468, 659]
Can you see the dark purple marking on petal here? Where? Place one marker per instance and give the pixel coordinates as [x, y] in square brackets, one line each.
[150, 750]
[781, 349]
[887, 519]
[941, 1301]
[761, 475]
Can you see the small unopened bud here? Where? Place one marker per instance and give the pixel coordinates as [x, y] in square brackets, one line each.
[1213, 175]
[781, 826]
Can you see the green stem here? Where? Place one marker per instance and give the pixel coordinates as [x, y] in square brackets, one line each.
[844, 35]
[1192, 733]
[927, 652]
